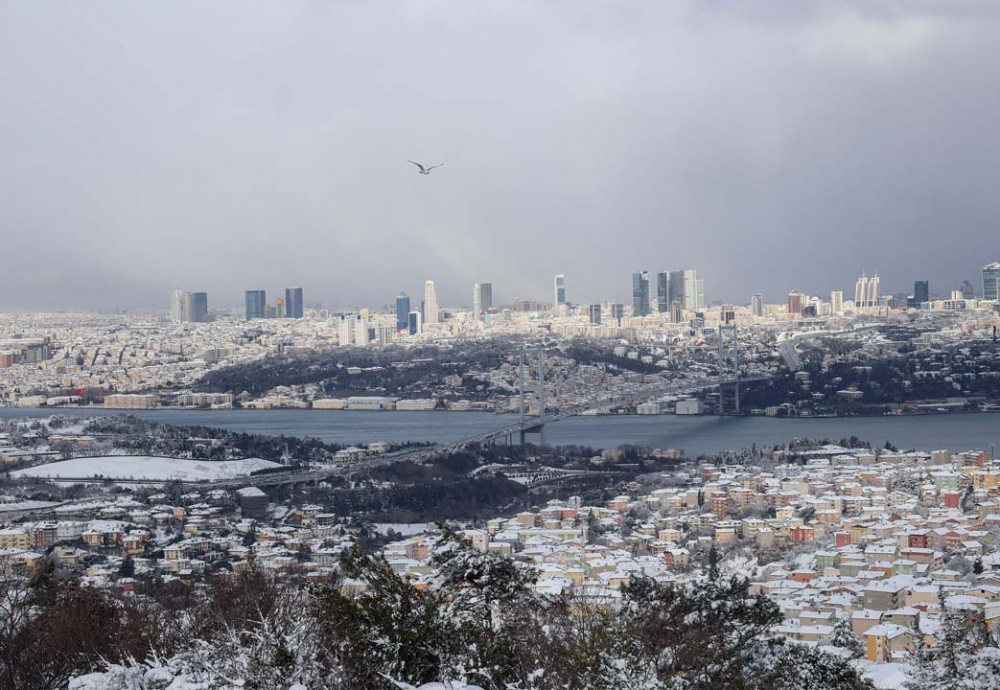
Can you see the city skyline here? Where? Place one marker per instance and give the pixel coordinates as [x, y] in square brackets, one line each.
[868, 143]
[660, 288]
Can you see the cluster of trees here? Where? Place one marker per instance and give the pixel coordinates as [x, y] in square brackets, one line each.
[479, 622]
[601, 354]
[965, 656]
[426, 368]
[890, 378]
[152, 438]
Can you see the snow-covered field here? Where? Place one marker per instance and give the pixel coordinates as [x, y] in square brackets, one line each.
[143, 467]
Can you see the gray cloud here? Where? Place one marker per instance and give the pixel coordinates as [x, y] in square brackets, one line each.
[224, 146]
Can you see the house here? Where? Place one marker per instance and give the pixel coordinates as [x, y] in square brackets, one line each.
[888, 642]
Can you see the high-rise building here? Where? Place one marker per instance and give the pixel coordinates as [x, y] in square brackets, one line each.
[594, 311]
[794, 306]
[677, 287]
[430, 303]
[176, 304]
[757, 304]
[873, 294]
[921, 293]
[617, 310]
[194, 307]
[346, 331]
[361, 330]
[402, 311]
[968, 292]
[640, 293]
[861, 292]
[837, 302]
[255, 302]
[559, 291]
[663, 292]
[693, 293]
[991, 281]
[482, 300]
[676, 311]
[293, 303]
[415, 323]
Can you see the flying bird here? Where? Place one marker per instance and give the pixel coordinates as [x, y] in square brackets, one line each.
[423, 170]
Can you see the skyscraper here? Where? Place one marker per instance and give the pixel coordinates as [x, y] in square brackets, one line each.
[693, 293]
[757, 304]
[361, 330]
[255, 301]
[482, 300]
[794, 306]
[837, 301]
[873, 293]
[640, 293]
[861, 292]
[921, 292]
[402, 311]
[415, 323]
[430, 303]
[346, 331]
[176, 304]
[617, 311]
[991, 281]
[293, 303]
[194, 307]
[968, 292]
[594, 311]
[663, 291]
[559, 291]
[677, 287]
[676, 311]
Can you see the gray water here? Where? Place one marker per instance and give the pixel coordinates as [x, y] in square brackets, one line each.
[695, 434]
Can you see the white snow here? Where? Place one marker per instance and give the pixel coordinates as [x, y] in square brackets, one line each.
[145, 468]
[406, 529]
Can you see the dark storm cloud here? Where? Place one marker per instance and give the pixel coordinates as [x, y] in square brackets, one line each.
[224, 146]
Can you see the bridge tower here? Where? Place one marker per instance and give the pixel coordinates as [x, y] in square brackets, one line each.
[523, 386]
[729, 366]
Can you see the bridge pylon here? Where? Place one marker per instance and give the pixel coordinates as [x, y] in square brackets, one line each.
[540, 389]
[729, 366]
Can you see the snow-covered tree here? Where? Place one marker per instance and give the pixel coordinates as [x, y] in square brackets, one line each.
[843, 637]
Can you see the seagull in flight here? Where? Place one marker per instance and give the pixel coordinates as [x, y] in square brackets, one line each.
[423, 170]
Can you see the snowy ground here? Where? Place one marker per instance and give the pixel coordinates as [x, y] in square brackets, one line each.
[145, 468]
[407, 529]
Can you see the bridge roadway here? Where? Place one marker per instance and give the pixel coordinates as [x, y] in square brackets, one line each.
[424, 454]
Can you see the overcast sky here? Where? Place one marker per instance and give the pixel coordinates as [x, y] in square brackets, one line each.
[772, 144]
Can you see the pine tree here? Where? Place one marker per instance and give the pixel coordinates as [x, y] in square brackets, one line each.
[844, 638]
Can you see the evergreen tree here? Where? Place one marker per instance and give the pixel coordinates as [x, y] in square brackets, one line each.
[844, 637]
[127, 568]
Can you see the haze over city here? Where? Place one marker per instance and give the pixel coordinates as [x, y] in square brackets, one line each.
[770, 145]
